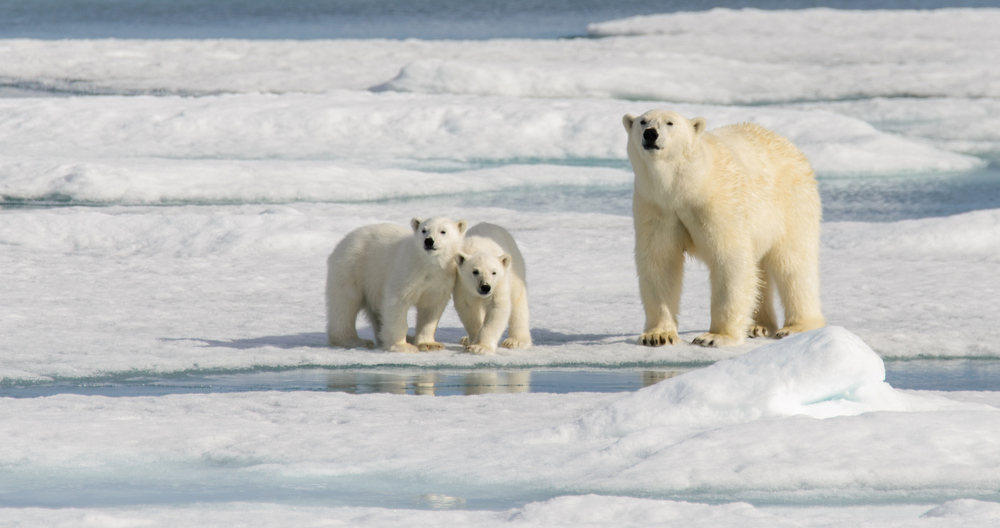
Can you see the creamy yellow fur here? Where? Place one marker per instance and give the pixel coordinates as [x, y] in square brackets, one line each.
[386, 269]
[491, 258]
[743, 200]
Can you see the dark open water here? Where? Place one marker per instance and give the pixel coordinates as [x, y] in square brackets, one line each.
[311, 19]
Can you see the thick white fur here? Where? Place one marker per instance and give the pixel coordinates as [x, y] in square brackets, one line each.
[490, 258]
[384, 269]
[743, 200]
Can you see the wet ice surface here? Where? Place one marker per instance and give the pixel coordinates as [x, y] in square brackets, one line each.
[916, 374]
[418, 382]
[871, 199]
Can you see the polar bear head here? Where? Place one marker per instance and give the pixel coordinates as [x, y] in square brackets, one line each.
[661, 133]
[482, 271]
[438, 237]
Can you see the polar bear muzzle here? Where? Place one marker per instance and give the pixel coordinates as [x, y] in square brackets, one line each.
[429, 244]
[649, 137]
[483, 287]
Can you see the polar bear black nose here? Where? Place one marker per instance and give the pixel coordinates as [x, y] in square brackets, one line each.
[484, 289]
[428, 243]
[650, 135]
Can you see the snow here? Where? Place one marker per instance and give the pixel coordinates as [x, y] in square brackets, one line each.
[140, 149]
[108, 290]
[168, 206]
[587, 510]
[798, 421]
[970, 126]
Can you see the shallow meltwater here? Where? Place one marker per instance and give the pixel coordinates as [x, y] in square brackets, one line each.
[920, 374]
[847, 199]
[423, 382]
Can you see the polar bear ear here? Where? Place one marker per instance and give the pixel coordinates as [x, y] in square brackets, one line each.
[627, 120]
[505, 259]
[415, 223]
[462, 226]
[460, 258]
[699, 125]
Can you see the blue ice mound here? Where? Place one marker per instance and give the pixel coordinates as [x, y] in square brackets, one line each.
[823, 373]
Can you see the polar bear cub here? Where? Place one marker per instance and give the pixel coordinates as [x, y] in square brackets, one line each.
[491, 292]
[742, 199]
[384, 270]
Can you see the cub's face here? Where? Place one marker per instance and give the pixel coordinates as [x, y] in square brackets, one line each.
[659, 133]
[480, 273]
[438, 236]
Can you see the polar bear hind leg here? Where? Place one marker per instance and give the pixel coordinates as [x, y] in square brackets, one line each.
[345, 302]
[764, 319]
[796, 275]
[518, 331]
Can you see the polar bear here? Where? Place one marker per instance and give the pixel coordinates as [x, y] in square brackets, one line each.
[740, 198]
[384, 269]
[491, 292]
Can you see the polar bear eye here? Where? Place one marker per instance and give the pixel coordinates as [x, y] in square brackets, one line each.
[443, 233]
[475, 272]
[670, 123]
[643, 122]
[494, 273]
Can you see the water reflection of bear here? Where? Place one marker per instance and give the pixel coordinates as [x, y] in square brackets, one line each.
[469, 384]
[428, 384]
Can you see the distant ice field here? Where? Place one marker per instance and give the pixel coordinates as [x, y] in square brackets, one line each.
[396, 19]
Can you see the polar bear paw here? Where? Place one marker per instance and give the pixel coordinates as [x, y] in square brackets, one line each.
[708, 339]
[796, 329]
[403, 347]
[433, 345]
[758, 331]
[351, 343]
[510, 342]
[659, 338]
[479, 350]
[464, 341]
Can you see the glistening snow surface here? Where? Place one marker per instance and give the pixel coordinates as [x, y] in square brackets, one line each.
[198, 186]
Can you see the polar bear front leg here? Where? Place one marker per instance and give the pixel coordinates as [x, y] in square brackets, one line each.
[659, 260]
[470, 312]
[734, 295]
[497, 315]
[393, 332]
[427, 322]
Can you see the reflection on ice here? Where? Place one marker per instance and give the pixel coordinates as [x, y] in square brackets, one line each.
[436, 501]
[476, 382]
[915, 374]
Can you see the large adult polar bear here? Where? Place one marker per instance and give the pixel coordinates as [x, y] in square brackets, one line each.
[385, 269]
[740, 198]
[491, 292]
